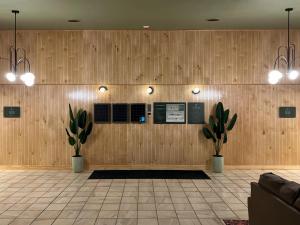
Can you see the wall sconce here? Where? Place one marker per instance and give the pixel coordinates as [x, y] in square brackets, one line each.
[103, 89]
[196, 90]
[150, 90]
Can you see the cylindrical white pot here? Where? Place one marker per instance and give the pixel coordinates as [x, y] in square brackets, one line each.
[77, 164]
[218, 164]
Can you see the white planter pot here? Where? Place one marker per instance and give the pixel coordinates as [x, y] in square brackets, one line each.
[218, 164]
[77, 164]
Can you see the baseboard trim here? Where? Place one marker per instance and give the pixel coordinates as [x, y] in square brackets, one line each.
[262, 167]
[151, 166]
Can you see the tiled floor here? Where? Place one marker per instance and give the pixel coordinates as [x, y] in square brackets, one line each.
[64, 198]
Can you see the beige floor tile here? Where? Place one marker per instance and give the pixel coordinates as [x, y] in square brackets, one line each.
[242, 214]
[18, 206]
[42, 222]
[82, 221]
[189, 222]
[56, 206]
[225, 214]
[164, 207]
[147, 214]
[126, 222]
[128, 206]
[5, 221]
[10, 214]
[106, 222]
[64, 222]
[90, 206]
[49, 214]
[210, 222]
[38, 206]
[21, 222]
[166, 214]
[69, 214]
[184, 207]
[144, 207]
[205, 214]
[147, 222]
[88, 214]
[186, 214]
[108, 206]
[127, 214]
[28, 214]
[108, 214]
[168, 221]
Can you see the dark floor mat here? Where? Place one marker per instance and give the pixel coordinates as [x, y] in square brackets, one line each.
[149, 174]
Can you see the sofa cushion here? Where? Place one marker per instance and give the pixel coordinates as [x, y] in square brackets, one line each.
[286, 190]
[297, 204]
[289, 192]
[272, 182]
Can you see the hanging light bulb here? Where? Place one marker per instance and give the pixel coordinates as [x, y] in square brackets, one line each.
[293, 74]
[28, 79]
[274, 76]
[11, 77]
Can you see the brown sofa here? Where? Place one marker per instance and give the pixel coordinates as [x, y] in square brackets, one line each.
[274, 201]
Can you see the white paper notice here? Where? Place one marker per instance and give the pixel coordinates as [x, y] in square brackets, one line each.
[175, 113]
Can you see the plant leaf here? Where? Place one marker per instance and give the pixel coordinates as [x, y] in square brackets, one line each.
[212, 123]
[73, 126]
[89, 128]
[71, 113]
[232, 122]
[220, 111]
[71, 141]
[68, 132]
[208, 134]
[82, 133]
[82, 119]
[225, 138]
[83, 138]
[226, 114]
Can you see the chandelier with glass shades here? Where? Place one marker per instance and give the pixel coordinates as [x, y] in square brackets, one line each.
[285, 57]
[17, 58]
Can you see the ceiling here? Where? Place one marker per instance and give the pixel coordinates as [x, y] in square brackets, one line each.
[159, 14]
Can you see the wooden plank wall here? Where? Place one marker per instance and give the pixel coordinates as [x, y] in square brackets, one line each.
[230, 66]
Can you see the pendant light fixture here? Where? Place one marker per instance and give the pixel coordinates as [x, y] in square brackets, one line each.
[285, 55]
[17, 57]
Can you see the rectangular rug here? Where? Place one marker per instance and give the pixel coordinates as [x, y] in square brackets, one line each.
[236, 222]
[149, 174]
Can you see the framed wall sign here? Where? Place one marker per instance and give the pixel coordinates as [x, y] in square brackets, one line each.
[287, 112]
[196, 113]
[169, 112]
[12, 111]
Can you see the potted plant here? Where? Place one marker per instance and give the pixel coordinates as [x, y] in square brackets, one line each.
[80, 129]
[217, 129]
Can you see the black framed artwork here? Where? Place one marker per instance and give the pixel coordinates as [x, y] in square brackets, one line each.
[102, 113]
[120, 113]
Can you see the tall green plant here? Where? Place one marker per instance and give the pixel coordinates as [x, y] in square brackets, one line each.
[80, 129]
[218, 126]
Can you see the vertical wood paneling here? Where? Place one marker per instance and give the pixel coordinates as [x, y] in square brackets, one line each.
[230, 66]
[38, 138]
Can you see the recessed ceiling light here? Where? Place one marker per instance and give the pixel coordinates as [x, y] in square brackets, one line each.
[213, 20]
[146, 26]
[73, 21]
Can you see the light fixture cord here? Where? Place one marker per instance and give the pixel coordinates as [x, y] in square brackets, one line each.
[15, 48]
[288, 46]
